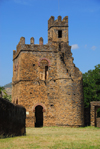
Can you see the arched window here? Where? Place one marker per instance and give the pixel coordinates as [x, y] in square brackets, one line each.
[44, 65]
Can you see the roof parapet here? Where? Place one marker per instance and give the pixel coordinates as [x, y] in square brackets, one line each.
[50, 21]
[41, 41]
[14, 51]
[59, 18]
[22, 40]
[32, 40]
[65, 19]
[20, 44]
[59, 21]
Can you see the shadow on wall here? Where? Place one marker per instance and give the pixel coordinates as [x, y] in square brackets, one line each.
[87, 116]
[12, 119]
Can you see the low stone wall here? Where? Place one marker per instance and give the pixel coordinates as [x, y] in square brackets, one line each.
[98, 122]
[12, 119]
[94, 106]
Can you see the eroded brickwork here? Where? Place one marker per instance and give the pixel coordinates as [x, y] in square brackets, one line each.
[98, 122]
[45, 76]
[94, 120]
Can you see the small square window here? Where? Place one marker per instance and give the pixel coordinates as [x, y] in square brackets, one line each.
[60, 34]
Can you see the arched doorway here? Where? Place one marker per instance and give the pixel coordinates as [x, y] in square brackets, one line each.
[38, 116]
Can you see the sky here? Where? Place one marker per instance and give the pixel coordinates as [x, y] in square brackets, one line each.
[29, 18]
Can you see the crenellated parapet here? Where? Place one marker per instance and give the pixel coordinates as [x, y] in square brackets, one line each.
[41, 41]
[59, 22]
[32, 40]
[58, 30]
[20, 46]
[46, 81]
[32, 47]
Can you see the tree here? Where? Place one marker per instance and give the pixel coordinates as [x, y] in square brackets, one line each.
[5, 95]
[2, 90]
[8, 97]
[91, 85]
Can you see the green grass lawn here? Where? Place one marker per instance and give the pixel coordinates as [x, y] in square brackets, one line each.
[55, 138]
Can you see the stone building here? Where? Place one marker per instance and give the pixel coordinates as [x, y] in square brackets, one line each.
[46, 81]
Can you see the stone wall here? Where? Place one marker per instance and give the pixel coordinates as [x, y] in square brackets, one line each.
[94, 106]
[45, 75]
[54, 26]
[12, 119]
[61, 93]
[98, 122]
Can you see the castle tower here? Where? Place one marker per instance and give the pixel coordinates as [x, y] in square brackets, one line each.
[46, 81]
[58, 29]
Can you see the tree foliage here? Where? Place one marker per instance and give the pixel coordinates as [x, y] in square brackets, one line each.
[91, 85]
[2, 90]
[5, 95]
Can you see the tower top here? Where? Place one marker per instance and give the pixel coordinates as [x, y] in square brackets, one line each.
[58, 30]
[59, 22]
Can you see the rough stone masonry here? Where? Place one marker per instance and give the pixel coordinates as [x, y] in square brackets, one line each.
[46, 81]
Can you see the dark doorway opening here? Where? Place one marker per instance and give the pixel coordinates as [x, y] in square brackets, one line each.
[59, 33]
[17, 101]
[39, 116]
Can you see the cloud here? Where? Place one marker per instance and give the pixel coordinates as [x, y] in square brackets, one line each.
[74, 46]
[93, 47]
[85, 46]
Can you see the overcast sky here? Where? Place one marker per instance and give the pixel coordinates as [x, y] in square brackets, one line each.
[29, 18]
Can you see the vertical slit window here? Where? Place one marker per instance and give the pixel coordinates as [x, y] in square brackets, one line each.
[46, 72]
[59, 33]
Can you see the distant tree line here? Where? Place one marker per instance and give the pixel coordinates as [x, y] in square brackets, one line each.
[91, 86]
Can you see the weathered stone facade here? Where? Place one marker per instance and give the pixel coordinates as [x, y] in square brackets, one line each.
[46, 81]
[94, 120]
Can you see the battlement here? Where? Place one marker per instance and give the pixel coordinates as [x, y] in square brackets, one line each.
[57, 33]
[58, 22]
[32, 47]
[21, 45]
[58, 30]
[46, 81]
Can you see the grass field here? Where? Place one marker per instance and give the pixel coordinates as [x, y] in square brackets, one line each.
[55, 138]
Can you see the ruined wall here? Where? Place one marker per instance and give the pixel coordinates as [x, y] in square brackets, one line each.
[12, 119]
[47, 76]
[93, 113]
[54, 26]
[60, 93]
[32, 88]
[71, 105]
[98, 122]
